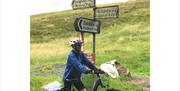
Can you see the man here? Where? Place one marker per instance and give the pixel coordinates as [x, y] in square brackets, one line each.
[75, 66]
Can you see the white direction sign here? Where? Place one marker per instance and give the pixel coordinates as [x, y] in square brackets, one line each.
[87, 25]
[78, 4]
[107, 12]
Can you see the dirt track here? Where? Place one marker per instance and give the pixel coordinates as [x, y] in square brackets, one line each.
[144, 82]
[50, 70]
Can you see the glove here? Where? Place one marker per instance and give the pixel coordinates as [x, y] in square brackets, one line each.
[89, 71]
[98, 71]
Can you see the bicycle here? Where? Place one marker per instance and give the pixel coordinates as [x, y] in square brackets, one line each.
[97, 83]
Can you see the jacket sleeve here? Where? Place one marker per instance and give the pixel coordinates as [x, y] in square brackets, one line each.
[75, 62]
[88, 63]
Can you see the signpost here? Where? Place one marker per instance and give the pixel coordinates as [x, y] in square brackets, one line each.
[92, 25]
[87, 25]
[107, 12]
[79, 4]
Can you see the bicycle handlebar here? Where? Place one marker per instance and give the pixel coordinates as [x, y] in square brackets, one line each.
[98, 71]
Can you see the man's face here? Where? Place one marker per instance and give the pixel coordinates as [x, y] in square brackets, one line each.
[77, 47]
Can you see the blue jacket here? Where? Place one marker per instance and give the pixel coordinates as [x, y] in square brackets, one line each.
[74, 66]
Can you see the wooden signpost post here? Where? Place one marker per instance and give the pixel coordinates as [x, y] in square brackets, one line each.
[92, 25]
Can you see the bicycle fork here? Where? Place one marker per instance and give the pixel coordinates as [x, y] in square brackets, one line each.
[97, 83]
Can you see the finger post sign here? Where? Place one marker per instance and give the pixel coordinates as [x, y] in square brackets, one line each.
[92, 25]
[107, 12]
[87, 25]
[79, 4]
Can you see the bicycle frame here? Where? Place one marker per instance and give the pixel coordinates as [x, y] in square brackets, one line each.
[98, 82]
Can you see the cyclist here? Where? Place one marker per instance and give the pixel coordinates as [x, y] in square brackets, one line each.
[75, 66]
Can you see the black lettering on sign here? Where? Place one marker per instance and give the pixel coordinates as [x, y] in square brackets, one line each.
[78, 4]
[87, 25]
[107, 12]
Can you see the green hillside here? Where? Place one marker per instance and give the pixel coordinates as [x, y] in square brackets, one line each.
[126, 39]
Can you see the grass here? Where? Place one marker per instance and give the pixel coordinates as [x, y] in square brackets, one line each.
[37, 82]
[126, 39]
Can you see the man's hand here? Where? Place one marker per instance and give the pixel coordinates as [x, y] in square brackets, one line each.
[98, 71]
[95, 71]
[90, 71]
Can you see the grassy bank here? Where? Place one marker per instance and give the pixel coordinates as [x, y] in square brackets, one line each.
[126, 39]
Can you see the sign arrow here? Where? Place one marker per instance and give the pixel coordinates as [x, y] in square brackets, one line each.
[87, 25]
